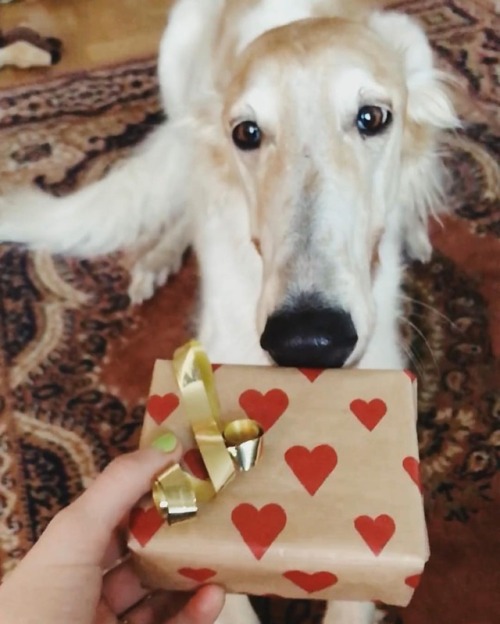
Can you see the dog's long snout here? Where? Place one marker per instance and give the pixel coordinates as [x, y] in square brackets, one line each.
[309, 337]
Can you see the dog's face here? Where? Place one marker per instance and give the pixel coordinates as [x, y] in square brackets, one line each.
[318, 118]
[325, 131]
[315, 113]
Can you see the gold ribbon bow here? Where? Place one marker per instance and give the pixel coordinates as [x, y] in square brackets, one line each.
[238, 445]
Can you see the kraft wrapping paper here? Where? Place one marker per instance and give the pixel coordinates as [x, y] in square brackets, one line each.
[333, 510]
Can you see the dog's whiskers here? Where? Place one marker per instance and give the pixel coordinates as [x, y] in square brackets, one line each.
[431, 309]
[413, 358]
[420, 333]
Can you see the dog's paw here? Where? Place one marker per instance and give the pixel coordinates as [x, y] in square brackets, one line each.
[142, 285]
[237, 610]
[150, 268]
[347, 612]
[144, 281]
[378, 616]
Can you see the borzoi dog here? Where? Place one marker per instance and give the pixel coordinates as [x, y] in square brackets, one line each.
[301, 161]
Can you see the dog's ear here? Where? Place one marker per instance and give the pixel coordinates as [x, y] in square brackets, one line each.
[429, 112]
[184, 61]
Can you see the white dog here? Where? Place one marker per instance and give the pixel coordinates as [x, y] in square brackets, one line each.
[300, 159]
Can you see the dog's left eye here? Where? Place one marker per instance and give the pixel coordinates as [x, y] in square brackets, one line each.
[247, 135]
[372, 119]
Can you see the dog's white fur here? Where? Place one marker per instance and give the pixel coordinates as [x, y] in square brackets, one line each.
[316, 209]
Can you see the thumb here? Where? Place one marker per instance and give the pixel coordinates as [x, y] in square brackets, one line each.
[81, 532]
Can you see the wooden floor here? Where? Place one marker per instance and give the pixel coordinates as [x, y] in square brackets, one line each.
[94, 32]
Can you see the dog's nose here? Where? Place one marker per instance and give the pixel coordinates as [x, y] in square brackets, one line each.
[309, 337]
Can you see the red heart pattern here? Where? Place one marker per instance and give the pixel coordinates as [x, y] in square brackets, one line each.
[413, 581]
[311, 467]
[369, 413]
[376, 532]
[311, 582]
[200, 575]
[412, 467]
[144, 523]
[311, 373]
[264, 408]
[259, 527]
[160, 407]
[195, 464]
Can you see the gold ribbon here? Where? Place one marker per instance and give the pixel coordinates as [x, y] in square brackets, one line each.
[238, 445]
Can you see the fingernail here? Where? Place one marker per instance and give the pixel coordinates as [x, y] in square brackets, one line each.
[166, 442]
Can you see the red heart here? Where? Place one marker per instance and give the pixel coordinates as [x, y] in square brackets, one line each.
[195, 464]
[200, 575]
[215, 367]
[412, 467]
[376, 532]
[410, 374]
[313, 582]
[144, 523]
[264, 408]
[259, 527]
[413, 581]
[311, 373]
[311, 467]
[369, 413]
[160, 407]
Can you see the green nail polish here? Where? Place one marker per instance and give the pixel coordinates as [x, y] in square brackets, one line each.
[166, 442]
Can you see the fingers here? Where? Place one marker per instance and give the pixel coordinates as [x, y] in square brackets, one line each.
[168, 608]
[116, 549]
[150, 611]
[122, 588]
[82, 531]
[203, 608]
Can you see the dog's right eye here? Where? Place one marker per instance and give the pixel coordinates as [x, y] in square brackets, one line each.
[372, 119]
[247, 135]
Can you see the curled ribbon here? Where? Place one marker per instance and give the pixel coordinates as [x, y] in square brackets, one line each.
[237, 446]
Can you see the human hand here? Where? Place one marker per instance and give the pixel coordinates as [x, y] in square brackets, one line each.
[61, 580]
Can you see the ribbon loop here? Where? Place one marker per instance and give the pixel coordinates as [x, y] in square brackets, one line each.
[173, 495]
[243, 439]
[201, 404]
[175, 492]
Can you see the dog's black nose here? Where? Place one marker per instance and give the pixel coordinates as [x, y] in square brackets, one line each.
[309, 337]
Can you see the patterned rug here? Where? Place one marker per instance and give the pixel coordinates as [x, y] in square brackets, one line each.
[76, 357]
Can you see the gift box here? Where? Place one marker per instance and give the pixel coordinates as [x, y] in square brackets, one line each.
[333, 508]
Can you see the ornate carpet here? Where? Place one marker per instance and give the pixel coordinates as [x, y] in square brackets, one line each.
[76, 357]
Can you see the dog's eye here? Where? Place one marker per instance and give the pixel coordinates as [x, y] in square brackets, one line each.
[247, 135]
[372, 119]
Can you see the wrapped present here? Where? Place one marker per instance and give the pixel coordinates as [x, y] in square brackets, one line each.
[331, 510]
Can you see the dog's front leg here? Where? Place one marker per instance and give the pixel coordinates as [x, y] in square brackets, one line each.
[343, 612]
[231, 276]
[237, 610]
